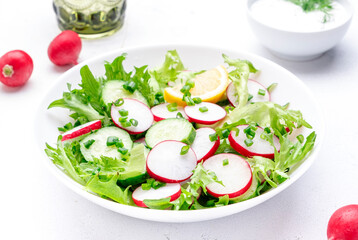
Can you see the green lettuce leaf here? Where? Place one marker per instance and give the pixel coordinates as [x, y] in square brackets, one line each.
[169, 70]
[110, 189]
[269, 114]
[162, 204]
[239, 76]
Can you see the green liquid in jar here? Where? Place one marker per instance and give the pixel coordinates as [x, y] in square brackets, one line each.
[90, 18]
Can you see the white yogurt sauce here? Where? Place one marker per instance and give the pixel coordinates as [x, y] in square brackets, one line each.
[285, 15]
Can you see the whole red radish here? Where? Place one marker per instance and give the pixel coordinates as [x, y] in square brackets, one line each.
[343, 224]
[15, 68]
[65, 48]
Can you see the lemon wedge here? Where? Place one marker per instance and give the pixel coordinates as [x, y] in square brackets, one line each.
[210, 86]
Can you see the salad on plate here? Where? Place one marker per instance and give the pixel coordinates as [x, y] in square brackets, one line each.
[177, 139]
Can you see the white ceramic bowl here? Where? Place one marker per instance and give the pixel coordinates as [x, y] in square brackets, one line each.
[296, 45]
[289, 89]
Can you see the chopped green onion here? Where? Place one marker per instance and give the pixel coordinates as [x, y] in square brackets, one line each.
[158, 184]
[267, 130]
[172, 107]
[189, 101]
[125, 124]
[271, 87]
[133, 122]
[286, 105]
[250, 97]
[248, 142]
[261, 92]
[190, 83]
[122, 119]
[123, 112]
[203, 109]
[119, 102]
[185, 89]
[112, 140]
[300, 138]
[213, 137]
[146, 186]
[179, 115]
[123, 150]
[119, 143]
[225, 162]
[130, 86]
[197, 100]
[225, 133]
[228, 109]
[235, 129]
[250, 131]
[184, 150]
[89, 143]
[159, 98]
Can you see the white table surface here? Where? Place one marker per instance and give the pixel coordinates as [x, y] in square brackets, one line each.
[35, 205]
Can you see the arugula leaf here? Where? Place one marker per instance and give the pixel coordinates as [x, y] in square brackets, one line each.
[239, 76]
[269, 114]
[169, 70]
[110, 189]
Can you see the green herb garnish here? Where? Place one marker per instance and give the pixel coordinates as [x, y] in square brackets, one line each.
[172, 107]
[184, 150]
[261, 92]
[89, 143]
[324, 6]
[225, 162]
[203, 109]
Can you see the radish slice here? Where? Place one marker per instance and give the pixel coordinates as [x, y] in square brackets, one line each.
[253, 88]
[165, 164]
[260, 147]
[171, 190]
[81, 130]
[236, 175]
[161, 112]
[213, 114]
[137, 111]
[202, 145]
[141, 140]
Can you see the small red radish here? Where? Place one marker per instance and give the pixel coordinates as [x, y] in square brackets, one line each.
[205, 113]
[259, 147]
[81, 130]
[202, 145]
[233, 171]
[65, 48]
[15, 68]
[257, 90]
[165, 162]
[133, 116]
[343, 224]
[171, 190]
[161, 112]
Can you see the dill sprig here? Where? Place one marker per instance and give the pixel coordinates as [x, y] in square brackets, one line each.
[324, 6]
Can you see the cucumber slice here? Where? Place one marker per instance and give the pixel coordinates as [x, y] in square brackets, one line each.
[135, 172]
[113, 90]
[178, 129]
[250, 193]
[99, 146]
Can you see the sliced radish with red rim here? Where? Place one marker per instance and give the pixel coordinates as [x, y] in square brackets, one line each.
[161, 112]
[171, 190]
[166, 164]
[205, 113]
[257, 90]
[202, 145]
[259, 147]
[135, 112]
[81, 130]
[233, 171]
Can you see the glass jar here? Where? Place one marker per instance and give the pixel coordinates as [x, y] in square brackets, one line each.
[90, 18]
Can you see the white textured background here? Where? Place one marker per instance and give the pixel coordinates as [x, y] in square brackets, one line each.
[35, 205]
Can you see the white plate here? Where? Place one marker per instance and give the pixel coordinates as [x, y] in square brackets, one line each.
[289, 89]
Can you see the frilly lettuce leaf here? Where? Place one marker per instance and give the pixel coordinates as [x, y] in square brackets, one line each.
[291, 153]
[269, 114]
[239, 76]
